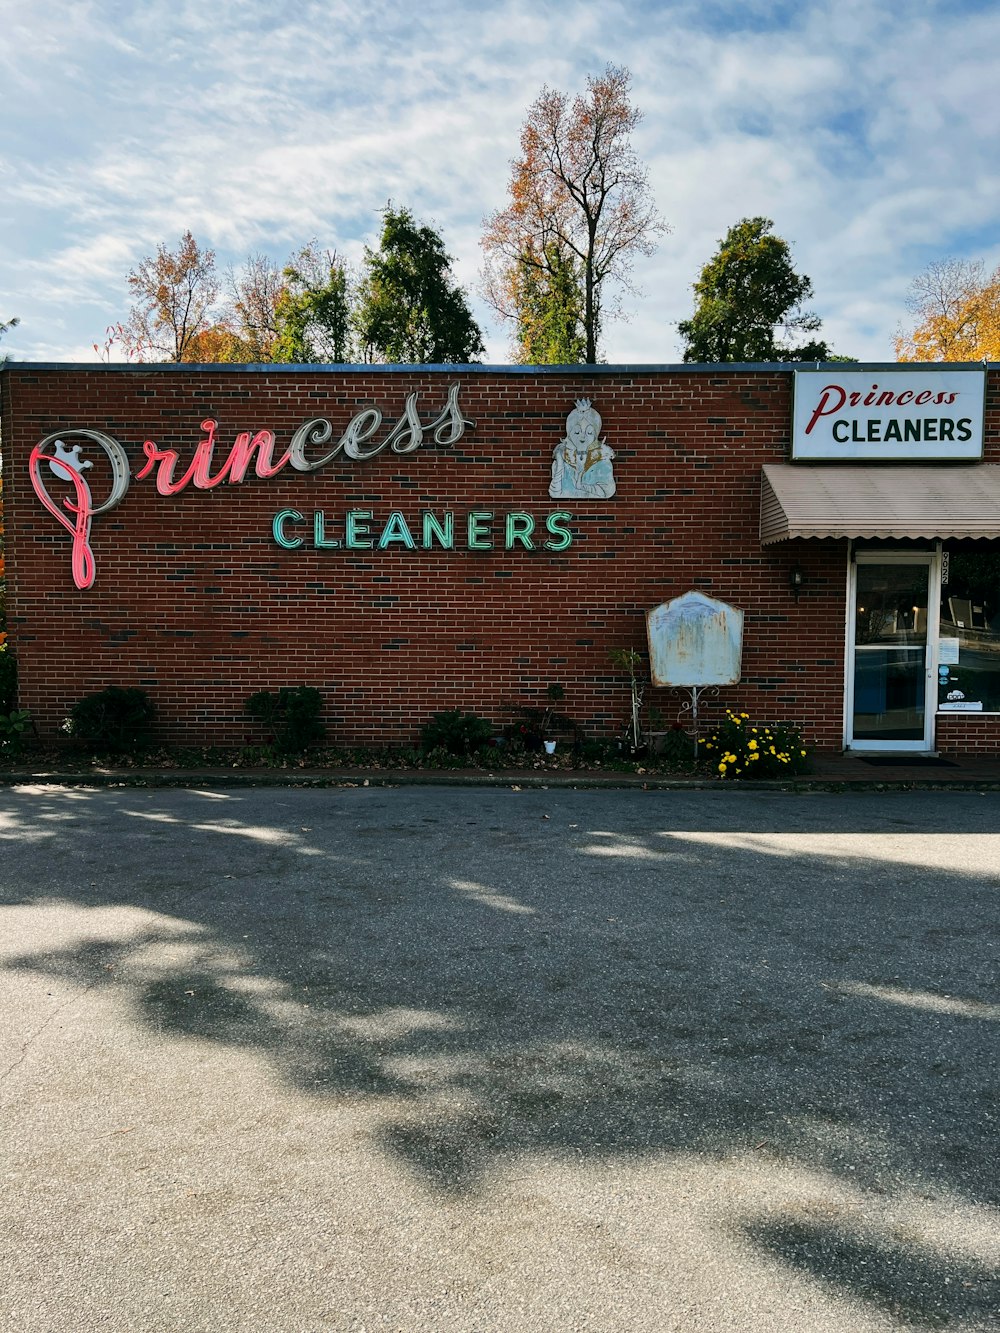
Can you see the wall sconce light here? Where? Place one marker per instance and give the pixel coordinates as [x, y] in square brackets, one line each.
[795, 580]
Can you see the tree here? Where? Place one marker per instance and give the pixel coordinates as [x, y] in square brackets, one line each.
[957, 309]
[254, 293]
[749, 302]
[8, 324]
[3, 574]
[409, 308]
[313, 311]
[577, 190]
[546, 300]
[174, 293]
[220, 343]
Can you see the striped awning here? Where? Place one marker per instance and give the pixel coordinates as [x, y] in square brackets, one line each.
[866, 501]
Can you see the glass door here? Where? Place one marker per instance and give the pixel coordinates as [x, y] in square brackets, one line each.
[891, 636]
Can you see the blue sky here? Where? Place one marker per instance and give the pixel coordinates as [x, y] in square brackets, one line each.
[867, 131]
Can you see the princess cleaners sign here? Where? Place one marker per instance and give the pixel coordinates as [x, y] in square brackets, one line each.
[915, 415]
[62, 477]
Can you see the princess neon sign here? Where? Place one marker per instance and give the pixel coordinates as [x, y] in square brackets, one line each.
[78, 510]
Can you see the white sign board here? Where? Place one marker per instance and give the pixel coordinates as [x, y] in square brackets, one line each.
[695, 640]
[913, 415]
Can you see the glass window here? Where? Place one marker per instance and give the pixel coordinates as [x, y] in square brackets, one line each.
[969, 655]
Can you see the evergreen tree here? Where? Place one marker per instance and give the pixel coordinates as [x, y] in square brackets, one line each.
[749, 302]
[409, 307]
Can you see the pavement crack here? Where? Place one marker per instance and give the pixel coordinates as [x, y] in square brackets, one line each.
[33, 1038]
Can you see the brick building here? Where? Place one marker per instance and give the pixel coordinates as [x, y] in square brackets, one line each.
[410, 540]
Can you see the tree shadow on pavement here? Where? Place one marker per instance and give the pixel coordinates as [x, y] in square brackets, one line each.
[566, 975]
[914, 1285]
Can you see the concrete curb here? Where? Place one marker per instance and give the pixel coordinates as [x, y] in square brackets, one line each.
[560, 779]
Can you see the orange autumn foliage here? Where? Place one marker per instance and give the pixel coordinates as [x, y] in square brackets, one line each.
[578, 196]
[957, 305]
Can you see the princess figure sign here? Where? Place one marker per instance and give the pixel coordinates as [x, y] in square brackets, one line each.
[581, 467]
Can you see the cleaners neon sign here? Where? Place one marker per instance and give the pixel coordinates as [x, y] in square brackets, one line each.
[480, 530]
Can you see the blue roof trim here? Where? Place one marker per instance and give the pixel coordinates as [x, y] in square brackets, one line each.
[472, 368]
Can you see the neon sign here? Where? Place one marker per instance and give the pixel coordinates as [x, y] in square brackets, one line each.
[357, 441]
[66, 463]
[479, 530]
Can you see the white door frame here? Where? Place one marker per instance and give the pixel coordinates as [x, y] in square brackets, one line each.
[932, 560]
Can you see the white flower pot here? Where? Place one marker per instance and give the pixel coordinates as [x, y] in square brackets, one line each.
[550, 747]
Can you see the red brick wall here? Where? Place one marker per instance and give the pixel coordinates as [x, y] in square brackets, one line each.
[194, 601]
[957, 734]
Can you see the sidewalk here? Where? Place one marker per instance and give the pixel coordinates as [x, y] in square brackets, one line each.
[953, 770]
[832, 771]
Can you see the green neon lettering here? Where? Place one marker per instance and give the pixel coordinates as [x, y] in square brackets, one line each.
[282, 517]
[357, 535]
[562, 535]
[480, 538]
[320, 539]
[443, 533]
[396, 530]
[518, 527]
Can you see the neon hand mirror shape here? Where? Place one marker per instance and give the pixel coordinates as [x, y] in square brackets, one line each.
[78, 510]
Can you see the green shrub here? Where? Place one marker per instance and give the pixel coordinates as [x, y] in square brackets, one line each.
[13, 725]
[676, 747]
[118, 720]
[257, 756]
[8, 680]
[291, 715]
[737, 749]
[456, 732]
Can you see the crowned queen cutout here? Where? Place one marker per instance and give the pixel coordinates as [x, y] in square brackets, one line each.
[581, 465]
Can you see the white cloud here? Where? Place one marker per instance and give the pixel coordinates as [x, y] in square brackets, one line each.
[868, 139]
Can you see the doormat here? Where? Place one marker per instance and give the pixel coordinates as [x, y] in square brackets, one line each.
[907, 761]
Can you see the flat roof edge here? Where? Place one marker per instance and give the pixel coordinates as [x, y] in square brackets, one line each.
[577, 369]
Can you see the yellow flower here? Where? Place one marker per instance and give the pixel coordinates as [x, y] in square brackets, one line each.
[752, 745]
[722, 768]
[746, 715]
[772, 749]
[802, 753]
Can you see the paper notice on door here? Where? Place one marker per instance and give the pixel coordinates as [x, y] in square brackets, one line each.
[948, 652]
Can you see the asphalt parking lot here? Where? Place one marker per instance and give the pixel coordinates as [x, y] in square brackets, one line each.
[489, 1059]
